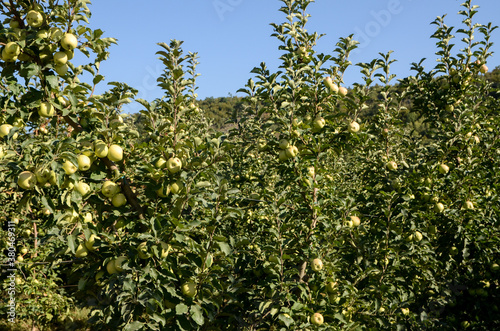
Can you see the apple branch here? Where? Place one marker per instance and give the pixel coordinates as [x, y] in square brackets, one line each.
[125, 185]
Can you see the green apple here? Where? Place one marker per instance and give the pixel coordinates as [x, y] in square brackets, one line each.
[100, 149]
[69, 41]
[282, 155]
[189, 288]
[61, 69]
[87, 218]
[42, 175]
[46, 109]
[24, 251]
[284, 144]
[81, 251]
[89, 244]
[5, 129]
[174, 165]
[20, 258]
[331, 287]
[469, 205]
[115, 153]
[55, 34]
[292, 151]
[12, 49]
[331, 85]
[317, 319]
[69, 167]
[110, 267]
[119, 200]
[84, 162]
[483, 69]
[34, 19]
[343, 91]
[353, 127]
[118, 263]
[70, 54]
[26, 180]
[391, 165]
[316, 264]
[82, 188]
[318, 124]
[439, 207]
[176, 187]
[418, 236]
[160, 163]
[110, 189]
[443, 168]
[60, 58]
[355, 221]
[52, 178]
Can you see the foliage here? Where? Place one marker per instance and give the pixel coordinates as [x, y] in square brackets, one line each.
[318, 207]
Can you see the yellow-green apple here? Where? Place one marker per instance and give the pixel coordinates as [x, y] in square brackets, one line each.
[439, 207]
[317, 319]
[353, 127]
[34, 19]
[355, 220]
[418, 236]
[443, 168]
[343, 91]
[392, 165]
[70, 54]
[60, 58]
[318, 123]
[69, 167]
[46, 109]
[176, 187]
[331, 287]
[160, 163]
[61, 69]
[84, 162]
[292, 151]
[55, 33]
[115, 153]
[284, 144]
[82, 188]
[118, 263]
[162, 192]
[42, 175]
[12, 49]
[5, 130]
[483, 69]
[174, 165]
[81, 251]
[119, 200]
[469, 205]
[100, 149]
[110, 189]
[69, 41]
[189, 288]
[26, 180]
[331, 85]
[52, 178]
[110, 267]
[316, 264]
[282, 155]
[90, 242]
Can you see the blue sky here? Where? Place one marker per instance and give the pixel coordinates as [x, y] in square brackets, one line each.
[233, 36]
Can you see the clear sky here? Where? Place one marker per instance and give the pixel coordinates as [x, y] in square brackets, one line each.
[233, 36]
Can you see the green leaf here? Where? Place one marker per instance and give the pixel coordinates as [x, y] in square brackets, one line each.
[197, 314]
[181, 309]
[134, 326]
